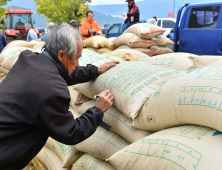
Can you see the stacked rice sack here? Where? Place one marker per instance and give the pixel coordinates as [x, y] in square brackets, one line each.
[11, 52]
[146, 38]
[99, 44]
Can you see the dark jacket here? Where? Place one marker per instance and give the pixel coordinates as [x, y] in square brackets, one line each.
[133, 15]
[2, 42]
[34, 103]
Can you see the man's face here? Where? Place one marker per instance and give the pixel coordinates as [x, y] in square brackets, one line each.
[69, 64]
[130, 3]
[27, 28]
[90, 17]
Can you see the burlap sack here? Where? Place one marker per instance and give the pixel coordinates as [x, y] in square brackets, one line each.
[66, 153]
[39, 45]
[93, 42]
[102, 144]
[193, 97]
[127, 54]
[9, 62]
[107, 43]
[178, 61]
[131, 84]
[185, 147]
[88, 162]
[146, 51]
[3, 70]
[161, 50]
[132, 40]
[50, 159]
[76, 97]
[119, 122]
[90, 57]
[124, 47]
[18, 43]
[103, 50]
[162, 41]
[144, 30]
[92, 49]
[11, 52]
[202, 61]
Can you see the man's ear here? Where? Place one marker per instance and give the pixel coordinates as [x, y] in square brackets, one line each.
[60, 55]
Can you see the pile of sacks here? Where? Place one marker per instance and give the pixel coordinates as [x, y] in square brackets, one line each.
[11, 52]
[99, 44]
[143, 37]
[166, 115]
[146, 38]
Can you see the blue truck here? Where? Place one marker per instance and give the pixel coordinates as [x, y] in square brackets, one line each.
[198, 29]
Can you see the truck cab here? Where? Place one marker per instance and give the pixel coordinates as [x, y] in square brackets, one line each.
[198, 29]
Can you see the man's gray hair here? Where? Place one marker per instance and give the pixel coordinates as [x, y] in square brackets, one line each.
[28, 25]
[63, 37]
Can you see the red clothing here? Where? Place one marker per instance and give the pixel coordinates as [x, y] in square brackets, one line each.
[86, 28]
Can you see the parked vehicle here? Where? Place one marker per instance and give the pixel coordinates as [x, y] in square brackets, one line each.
[106, 28]
[198, 29]
[15, 24]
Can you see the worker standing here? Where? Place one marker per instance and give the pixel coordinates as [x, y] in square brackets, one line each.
[89, 27]
[75, 24]
[133, 15]
[31, 34]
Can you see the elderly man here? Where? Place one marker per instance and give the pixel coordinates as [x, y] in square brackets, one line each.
[31, 34]
[89, 27]
[133, 15]
[34, 99]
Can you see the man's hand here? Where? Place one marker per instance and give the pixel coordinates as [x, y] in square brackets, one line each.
[103, 68]
[105, 101]
[123, 24]
[94, 30]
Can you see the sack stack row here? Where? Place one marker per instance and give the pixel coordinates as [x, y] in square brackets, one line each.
[137, 114]
[146, 38]
[11, 52]
[99, 44]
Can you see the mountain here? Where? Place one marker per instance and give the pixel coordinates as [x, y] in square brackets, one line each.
[106, 19]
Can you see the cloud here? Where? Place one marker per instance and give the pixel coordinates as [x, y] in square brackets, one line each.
[107, 2]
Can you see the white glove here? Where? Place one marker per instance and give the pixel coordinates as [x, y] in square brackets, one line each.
[123, 24]
[99, 33]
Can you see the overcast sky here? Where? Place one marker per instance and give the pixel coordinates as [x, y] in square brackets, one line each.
[100, 2]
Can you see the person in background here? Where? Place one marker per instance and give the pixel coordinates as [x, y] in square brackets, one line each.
[3, 42]
[50, 25]
[152, 21]
[133, 15]
[31, 34]
[89, 27]
[75, 24]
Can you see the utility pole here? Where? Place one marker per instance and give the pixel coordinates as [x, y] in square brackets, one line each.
[174, 9]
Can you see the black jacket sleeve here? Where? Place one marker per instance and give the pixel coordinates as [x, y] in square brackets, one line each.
[134, 12]
[56, 121]
[83, 74]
